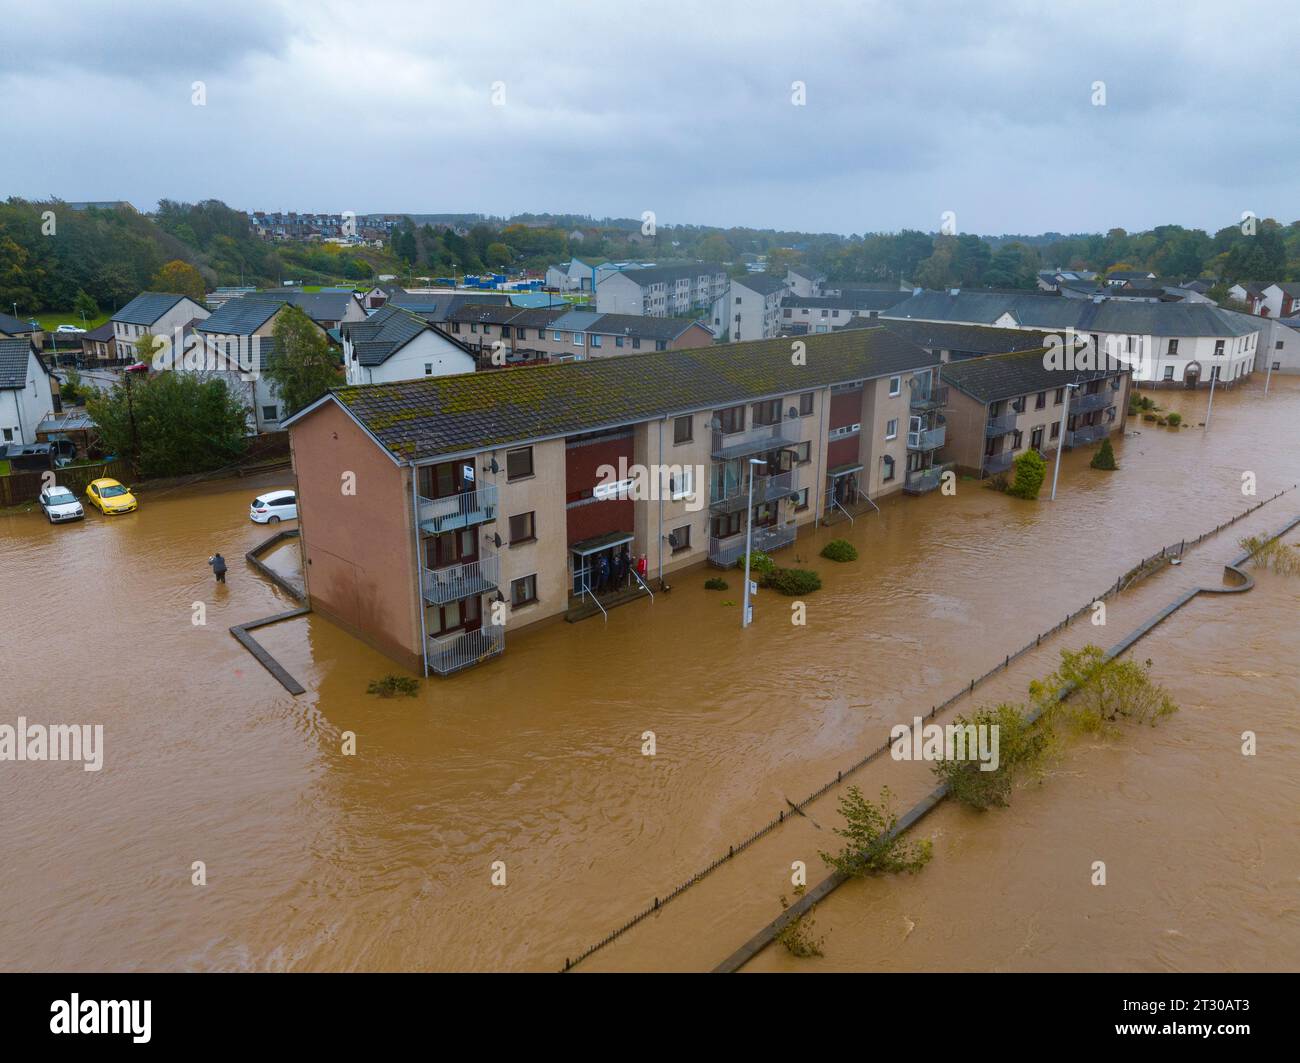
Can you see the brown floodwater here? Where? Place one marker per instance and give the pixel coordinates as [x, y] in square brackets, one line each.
[384, 860]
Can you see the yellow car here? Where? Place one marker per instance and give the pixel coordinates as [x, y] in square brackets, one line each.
[110, 497]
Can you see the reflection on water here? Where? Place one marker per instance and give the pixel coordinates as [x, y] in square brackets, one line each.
[382, 860]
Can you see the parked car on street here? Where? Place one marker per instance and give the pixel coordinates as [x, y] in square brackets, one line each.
[109, 496]
[69, 329]
[273, 507]
[60, 505]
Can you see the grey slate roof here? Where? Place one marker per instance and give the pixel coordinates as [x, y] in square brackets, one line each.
[1006, 376]
[665, 274]
[387, 331]
[99, 335]
[242, 316]
[575, 321]
[762, 283]
[321, 307]
[853, 299]
[1084, 315]
[643, 328]
[147, 307]
[15, 354]
[434, 416]
[962, 340]
[12, 326]
[436, 306]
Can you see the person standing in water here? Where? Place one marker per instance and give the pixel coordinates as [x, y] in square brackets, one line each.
[218, 564]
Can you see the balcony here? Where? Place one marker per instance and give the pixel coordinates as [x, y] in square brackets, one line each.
[441, 586]
[927, 438]
[438, 515]
[921, 481]
[998, 462]
[928, 397]
[766, 489]
[1000, 425]
[1091, 433]
[464, 649]
[726, 552]
[1086, 403]
[755, 441]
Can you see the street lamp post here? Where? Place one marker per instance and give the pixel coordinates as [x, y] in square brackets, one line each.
[749, 531]
[1214, 379]
[1060, 443]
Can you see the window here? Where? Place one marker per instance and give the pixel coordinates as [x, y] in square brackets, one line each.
[428, 369]
[519, 463]
[1056, 429]
[505, 332]
[1173, 346]
[1277, 366]
[618, 341]
[595, 341]
[636, 343]
[1036, 438]
[661, 345]
[683, 430]
[556, 337]
[9, 435]
[681, 538]
[727, 525]
[1019, 404]
[522, 528]
[681, 483]
[1218, 348]
[523, 591]
[801, 501]
[1017, 439]
[767, 413]
[806, 404]
[577, 339]
[1169, 372]
[803, 453]
[887, 463]
[732, 419]
[1040, 400]
[1060, 397]
[895, 386]
[891, 428]
[270, 413]
[789, 312]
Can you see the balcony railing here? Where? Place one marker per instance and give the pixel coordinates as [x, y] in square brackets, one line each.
[919, 481]
[755, 441]
[766, 489]
[998, 462]
[1087, 403]
[464, 649]
[1000, 425]
[929, 397]
[927, 438]
[438, 515]
[1081, 437]
[454, 582]
[726, 552]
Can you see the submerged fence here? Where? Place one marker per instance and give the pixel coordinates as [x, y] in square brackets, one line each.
[1140, 571]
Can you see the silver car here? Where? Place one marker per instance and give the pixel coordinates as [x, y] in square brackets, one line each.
[60, 505]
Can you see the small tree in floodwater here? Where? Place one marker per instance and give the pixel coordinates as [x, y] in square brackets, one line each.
[1272, 553]
[797, 935]
[1105, 457]
[1021, 746]
[1104, 692]
[873, 844]
[1031, 470]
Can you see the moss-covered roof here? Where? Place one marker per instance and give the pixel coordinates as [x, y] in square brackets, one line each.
[1007, 376]
[425, 418]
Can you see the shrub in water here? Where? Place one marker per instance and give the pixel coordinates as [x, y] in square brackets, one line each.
[392, 685]
[1105, 456]
[794, 581]
[714, 583]
[840, 550]
[759, 563]
[1031, 469]
[1174, 419]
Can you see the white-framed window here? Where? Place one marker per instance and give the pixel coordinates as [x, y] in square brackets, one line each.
[681, 484]
[891, 428]
[895, 386]
[428, 369]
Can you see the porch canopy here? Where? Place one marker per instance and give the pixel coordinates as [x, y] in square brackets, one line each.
[843, 470]
[595, 545]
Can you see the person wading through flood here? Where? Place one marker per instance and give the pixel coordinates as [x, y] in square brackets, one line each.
[218, 564]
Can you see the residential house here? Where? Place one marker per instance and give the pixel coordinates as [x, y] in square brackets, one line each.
[491, 498]
[1281, 299]
[754, 308]
[802, 314]
[577, 276]
[957, 342]
[1278, 350]
[329, 308]
[687, 290]
[1165, 343]
[396, 344]
[1252, 294]
[99, 344]
[1001, 404]
[28, 391]
[581, 334]
[804, 282]
[14, 329]
[161, 314]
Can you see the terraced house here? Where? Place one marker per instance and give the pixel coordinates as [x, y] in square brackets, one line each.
[1001, 404]
[439, 514]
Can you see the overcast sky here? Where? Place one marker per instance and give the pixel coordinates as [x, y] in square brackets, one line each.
[618, 107]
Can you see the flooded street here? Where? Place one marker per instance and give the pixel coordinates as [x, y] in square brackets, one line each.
[383, 860]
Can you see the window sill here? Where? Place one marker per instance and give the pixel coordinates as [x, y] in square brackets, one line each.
[522, 542]
[525, 605]
[521, 479]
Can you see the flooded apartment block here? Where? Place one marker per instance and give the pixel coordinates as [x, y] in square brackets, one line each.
[438, 515]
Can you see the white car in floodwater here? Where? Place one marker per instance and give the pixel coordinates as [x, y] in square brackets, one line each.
[273, 507]
[60, 505]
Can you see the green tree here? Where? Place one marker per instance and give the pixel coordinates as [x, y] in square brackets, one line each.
[304, 367]
[182, 279]
[185, 422]
[85, 305]
[1031, 470]
[1105, 456]
[1102, 692]
[873, 843]
[498, 256]
[1021, 745]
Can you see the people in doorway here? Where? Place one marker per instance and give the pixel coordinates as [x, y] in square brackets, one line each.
[641, 566]
[602, 572]
[622, 568]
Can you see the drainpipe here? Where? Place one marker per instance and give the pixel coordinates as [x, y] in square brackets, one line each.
[822, 444]
[660, 493]
[419, 565]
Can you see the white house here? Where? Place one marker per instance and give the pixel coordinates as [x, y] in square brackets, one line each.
[666, 291]
[1165, 343]
[157, 313]
[754, 308]
[396, 344]
[26, 396]
[805, 282]
[1281, 300]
